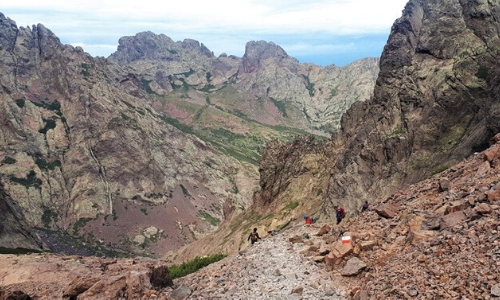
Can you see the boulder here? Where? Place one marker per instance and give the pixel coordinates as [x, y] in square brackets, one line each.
[180, 293]
[324, 230]
[353, 267]
[452, 219]
[387, 210]
[483, 208]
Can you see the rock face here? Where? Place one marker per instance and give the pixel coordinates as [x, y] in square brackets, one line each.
[434, 103]
[82, 152]
[14, 232]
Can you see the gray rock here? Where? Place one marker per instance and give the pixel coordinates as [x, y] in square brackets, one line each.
[353, 267]
[180, 293]
[495, 290]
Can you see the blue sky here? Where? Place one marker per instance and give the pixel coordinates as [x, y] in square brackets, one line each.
[323, 32]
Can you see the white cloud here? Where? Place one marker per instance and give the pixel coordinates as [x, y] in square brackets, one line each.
[219, 22]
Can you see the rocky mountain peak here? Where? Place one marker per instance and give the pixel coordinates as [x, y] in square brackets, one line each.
[9, 33]
[257, 51]
[150, 46]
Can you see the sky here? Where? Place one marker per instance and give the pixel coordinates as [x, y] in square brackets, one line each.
[322, 32]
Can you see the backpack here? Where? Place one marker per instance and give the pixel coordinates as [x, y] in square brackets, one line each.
[343, 212]
[253, 236]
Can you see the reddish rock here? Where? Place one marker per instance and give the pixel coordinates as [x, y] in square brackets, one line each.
[366, 245]
[492, 153]
[483, 208]
[79, 285]
[324, 230]
[452, 219]
[493, 195]
[295, 239]
[387, 210]
[455, 206]
[414, 237]
[340, 250]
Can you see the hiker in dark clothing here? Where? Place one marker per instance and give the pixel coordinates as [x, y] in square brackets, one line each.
[254, 236]
[340, 214]
[365, 206]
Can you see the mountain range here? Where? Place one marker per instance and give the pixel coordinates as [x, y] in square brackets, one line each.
[153, 147]
[122, 154]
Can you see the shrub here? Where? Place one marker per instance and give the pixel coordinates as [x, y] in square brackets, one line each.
[8, 160]
[30, 180]
[20, 103]
[177, 271]
[160, 277]
[49, 216]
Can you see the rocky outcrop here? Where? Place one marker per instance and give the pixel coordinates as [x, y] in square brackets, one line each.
[14, 232]
[434, 102]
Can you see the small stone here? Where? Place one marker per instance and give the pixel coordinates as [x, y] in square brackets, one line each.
[297, 290]
[495, 290]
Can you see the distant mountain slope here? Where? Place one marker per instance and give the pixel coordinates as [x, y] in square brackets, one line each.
[82, 154]
[238, 104]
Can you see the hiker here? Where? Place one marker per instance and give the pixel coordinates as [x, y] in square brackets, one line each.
[365, 206]
[308, 220]
[340, 214]
[254, 236]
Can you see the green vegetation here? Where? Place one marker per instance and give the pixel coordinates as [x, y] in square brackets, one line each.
[333, 92]
[144, 211]
[309, 85]
[283, 226]
[280, 105]
[30, 180]
[207, 217]
[208, 75]
[54, 106]
[4, 250]
[43, 165]
[80, 224]
[8, 160]
[440, 169]
[177, 271]
[20, 102]
[483, 72]
[49, 124]
[172, 51]
[185, 191]
[319, 192]
[182, 127]
[145, 85]
[86, 67]
[188, 73]
[49, 216]
[269, 216]
[128, 104]
[207, 88]
[290, 206]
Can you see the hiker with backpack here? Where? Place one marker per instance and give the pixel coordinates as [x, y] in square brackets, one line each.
[365, 206]
[254, 236]
[340, 214]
